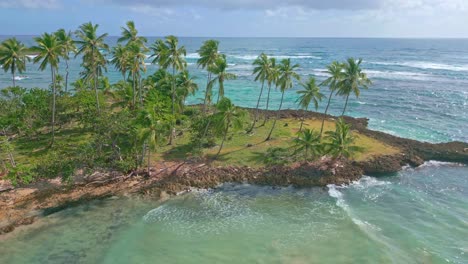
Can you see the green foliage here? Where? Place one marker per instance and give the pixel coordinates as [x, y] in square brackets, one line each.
[308, 143]
[277, 156]
[341, 141]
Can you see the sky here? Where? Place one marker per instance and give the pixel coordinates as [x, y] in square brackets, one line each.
[243, 18]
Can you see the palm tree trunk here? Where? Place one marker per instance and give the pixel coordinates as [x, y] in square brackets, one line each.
[325, 113]
[171, 136]
[303, 117]
[53, 104]
[256, 109]
[95, 81]
[346, 104]
[13, 73]
[267, 102]
[205, 108]
[66, 75]
[277, 117]
[149, 161]
[134, 89]
[224, 139]
[140, 88]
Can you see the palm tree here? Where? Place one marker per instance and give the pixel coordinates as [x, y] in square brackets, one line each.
[121, 59]
[49, 50]
[208, 55]
[136, 64]
[152, 131]
[90, 46]
[68, 45]
[353, 80]
[227, 115]
[310, 93]
[169, 54]
[186, 86]
[13, 57]
[308, 141]
[272, 79]
[262, 67]
[130, 34]
[286, 77]
[341, 141]
[335, 70]
[219, 69]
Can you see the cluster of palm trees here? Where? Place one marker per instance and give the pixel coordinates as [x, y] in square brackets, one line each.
[128, 57]
[344, 79]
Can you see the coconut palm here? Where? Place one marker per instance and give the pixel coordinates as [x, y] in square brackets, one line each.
[49, 50]
[13, 57]
[121, 59]
[208, 55]
[152, 131]
[353, 80]
[227, 116]
[262, 66]
[90, 46]
[68, 46]
[136, 65]
[340, 142]
[272, 79]
[186, 86]
[286, 77]
[310, 93]
[335, 70]
[219, 70]
[168, 54]
[130, 35]
[308, 142]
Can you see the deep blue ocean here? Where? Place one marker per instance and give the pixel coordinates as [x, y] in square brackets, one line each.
[420, 91]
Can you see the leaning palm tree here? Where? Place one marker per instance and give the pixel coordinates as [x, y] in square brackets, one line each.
[227, 116]
[130, 35]
[286, 78]
[262, 66]
[272, 79]
[168, 54]
[309, 143]
[335, 70]
[219, 70]
[90, 46]
[208, 54]
[186, 86]
[68, 46]
[49, 50]
[310, 93]
[121, 59]
[13, 57]
[353, 80]
[340, 142]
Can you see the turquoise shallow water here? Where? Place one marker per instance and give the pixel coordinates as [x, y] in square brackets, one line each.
[417, 216]
[420, 85]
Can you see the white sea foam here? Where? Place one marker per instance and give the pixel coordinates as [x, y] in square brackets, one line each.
[425, 65]
[20, 78]
[253, 57]
[434, 163]
[192, 56]
[31, 56]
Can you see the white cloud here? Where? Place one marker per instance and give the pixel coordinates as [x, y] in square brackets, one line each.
[49, 4]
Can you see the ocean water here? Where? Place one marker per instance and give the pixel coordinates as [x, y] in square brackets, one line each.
[417, 216]
[420, 86]
[420, 215]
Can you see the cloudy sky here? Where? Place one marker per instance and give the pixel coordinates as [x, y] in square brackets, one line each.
[231, 18]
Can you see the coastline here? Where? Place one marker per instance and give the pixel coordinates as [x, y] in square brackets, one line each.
[22, 206]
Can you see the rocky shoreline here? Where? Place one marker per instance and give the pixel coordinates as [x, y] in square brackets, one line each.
[22, 206]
